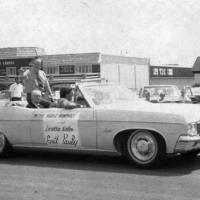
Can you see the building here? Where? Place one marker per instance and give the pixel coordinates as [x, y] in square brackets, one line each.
[196, 70]
[12, 59]
[131, 71]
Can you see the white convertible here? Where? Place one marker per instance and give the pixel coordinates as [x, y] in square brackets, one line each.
[109, 121]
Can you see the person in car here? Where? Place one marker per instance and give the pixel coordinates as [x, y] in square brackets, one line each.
[147, 95]
[65, 101]
[82, 102]
[35, 101]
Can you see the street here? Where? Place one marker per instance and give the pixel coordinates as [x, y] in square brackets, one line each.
[36, 175]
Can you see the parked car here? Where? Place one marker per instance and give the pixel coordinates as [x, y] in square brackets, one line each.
[4, 89]
[161, 94]
[111, 122]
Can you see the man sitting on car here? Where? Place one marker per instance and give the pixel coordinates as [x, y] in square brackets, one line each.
[35, 100]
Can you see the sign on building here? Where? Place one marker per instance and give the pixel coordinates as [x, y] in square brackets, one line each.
[166, 72]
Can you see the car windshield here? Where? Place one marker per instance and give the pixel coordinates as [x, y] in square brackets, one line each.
[156, 91]
[107, 94]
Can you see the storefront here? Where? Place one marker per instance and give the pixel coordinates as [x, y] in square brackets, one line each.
[131, 71]
[12, 59]
[71, 63]
[171, 75]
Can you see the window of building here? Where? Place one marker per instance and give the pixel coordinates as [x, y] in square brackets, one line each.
[96, 68]
[50, 70]
[7, 62]
[11, 71]
[67, 69]
[83, 69]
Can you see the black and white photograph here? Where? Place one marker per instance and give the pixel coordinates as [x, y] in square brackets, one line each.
[99, 99]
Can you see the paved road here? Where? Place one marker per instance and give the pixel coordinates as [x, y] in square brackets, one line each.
[29, 175]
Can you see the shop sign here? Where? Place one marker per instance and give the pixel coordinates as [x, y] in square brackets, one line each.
[162, 72]
[7, 63]
[67, 69]
[7, 66]
[167, 72]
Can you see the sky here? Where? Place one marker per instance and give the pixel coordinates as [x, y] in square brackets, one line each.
[165, 31]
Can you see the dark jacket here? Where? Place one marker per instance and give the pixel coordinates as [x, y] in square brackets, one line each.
[31, 105]
[43, 104]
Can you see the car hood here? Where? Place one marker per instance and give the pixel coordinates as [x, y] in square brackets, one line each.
[190, 112]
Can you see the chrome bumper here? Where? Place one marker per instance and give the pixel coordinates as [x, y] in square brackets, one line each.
[187, 143]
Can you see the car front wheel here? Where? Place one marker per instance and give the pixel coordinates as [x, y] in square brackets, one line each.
[145, 149]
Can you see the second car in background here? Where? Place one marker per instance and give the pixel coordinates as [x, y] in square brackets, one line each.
[161, 94]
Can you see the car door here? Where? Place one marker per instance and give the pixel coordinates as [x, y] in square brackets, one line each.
[64, 128]
[15, 122]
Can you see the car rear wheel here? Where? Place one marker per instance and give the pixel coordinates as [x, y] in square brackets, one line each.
[4, 146]
[145, 149]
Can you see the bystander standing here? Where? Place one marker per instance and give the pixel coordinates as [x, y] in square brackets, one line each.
[16, 90]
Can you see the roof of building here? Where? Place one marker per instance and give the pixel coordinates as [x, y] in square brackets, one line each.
[62, 59]
[88, 58]
[196, 65]
[20, 52]
[107, 59]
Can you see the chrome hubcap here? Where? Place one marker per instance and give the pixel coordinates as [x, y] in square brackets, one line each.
[144, 147]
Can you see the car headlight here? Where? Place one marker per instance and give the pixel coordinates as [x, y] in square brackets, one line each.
[192, 129]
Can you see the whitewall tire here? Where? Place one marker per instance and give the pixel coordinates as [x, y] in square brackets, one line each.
[145, 149]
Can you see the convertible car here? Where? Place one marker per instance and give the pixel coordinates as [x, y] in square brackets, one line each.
[109, 121]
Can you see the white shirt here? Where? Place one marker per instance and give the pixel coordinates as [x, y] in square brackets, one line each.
[16, 90]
